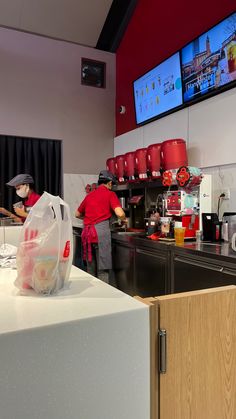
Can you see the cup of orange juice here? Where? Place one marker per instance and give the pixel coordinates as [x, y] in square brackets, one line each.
[179, 234]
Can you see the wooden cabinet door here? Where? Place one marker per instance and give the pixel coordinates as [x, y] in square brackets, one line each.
[200, 378]
[200, 353]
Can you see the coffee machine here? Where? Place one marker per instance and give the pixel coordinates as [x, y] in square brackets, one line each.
[211, 227]
[184, 207]
[137, 211]
[188, 206]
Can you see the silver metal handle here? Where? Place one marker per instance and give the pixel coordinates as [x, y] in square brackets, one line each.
[229, 271]
[150, 253]
[162, 351]
[200, 264]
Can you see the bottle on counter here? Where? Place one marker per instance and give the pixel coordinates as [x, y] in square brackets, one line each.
[225, 231]
[151, 221]
[198, 236]
[167, 227]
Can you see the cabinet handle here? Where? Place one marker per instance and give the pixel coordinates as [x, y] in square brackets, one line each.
[162, 351]
[155, 255]
[229, 271]
[200, 264]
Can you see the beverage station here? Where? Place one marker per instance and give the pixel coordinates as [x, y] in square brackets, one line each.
[159, 191]
[173, 242]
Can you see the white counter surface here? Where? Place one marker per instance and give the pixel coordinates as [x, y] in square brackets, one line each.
[83, 354]
[83, 297]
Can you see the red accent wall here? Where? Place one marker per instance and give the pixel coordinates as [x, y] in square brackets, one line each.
[157, 30]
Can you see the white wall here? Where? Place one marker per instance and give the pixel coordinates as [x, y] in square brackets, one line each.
[209, 129]
[74, 192]
[223, 177]
[212, 131]
[41, 96]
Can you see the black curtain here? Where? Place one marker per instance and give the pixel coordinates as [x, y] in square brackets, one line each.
[41, 158]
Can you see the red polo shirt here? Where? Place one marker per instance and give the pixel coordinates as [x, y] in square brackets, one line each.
[31, 200]
[98, 205]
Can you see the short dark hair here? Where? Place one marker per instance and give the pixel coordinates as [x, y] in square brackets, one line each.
[104, 181]
[105, 177]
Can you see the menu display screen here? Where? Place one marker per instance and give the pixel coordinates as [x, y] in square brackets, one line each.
[209, 62]
[159, 90]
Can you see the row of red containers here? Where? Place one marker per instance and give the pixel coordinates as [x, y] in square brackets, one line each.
[145, 162]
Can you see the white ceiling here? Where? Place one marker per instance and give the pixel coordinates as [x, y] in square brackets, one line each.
[79, 21]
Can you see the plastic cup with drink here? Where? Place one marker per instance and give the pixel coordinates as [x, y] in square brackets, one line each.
[18, 204]
[179, 233]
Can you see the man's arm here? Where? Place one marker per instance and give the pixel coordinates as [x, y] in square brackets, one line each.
[120, 213]
[21, 212]
[7, 213]
[79, 215]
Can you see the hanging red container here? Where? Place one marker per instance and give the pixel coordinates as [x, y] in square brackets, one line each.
[154, 159]
[110, 163]
[173, 154]
[129, 165]
[119, 167]
[140, 159]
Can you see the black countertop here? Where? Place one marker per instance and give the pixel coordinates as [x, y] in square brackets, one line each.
[220, 250]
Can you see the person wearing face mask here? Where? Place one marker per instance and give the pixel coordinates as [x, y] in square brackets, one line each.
[23, 183]
[96, 210]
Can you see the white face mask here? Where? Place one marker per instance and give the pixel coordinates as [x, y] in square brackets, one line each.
[23, 191]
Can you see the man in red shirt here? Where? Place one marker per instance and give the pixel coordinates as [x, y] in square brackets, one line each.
[96, 211]
[24, 189]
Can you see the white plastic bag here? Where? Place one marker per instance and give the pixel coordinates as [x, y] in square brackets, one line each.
[44, 256]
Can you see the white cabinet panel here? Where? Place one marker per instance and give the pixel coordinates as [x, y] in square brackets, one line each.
[10, 235]
[129, 141]
[171, 126]
[212, 131]
[83, 353]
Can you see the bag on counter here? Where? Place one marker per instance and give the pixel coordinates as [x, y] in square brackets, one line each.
[44, 256]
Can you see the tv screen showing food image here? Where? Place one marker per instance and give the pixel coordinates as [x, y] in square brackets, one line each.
[209, 62]
[159, 90]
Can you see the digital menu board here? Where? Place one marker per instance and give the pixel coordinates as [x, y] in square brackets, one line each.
[159, 90]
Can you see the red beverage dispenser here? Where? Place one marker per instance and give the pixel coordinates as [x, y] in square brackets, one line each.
[154, 160]
[140, 159]
[173, 154]
[129, 165]
[110, 163]
[119, 167]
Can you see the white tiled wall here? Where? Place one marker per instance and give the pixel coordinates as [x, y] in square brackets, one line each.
[223, 177]
[74, 191]
[128, 142]
[172, 126]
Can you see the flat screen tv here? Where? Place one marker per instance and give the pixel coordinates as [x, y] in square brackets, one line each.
[208, 63]
[158, 91]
